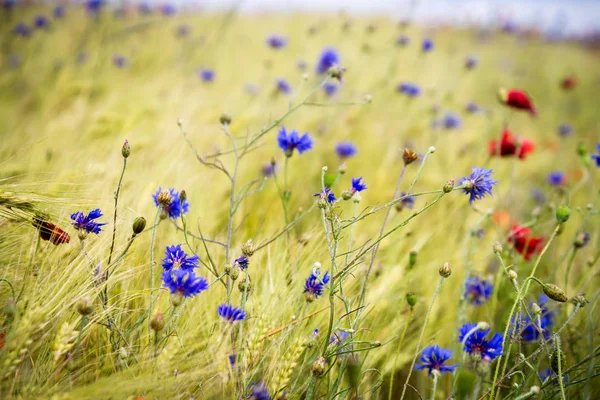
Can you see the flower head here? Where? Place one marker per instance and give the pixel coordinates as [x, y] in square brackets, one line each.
[326, 194]
[93, 7]
[327, 59]
[524, 242]
[242, 262]
[184, 282]
[176, 207]
[402, 40]
[206, 74]
[358, 185]
[471, 62]
[86, 223]
[167, 9]
[314, 285]
[21, 30]
[175, 257]
[473, 108]
[433, 358]
[549, 375]
[409, 89]
[288, 142]
[451, 121]
[282, 86]
[427, 45]
[511, 145]
[276, 41]
[260, 392]
[330, 88]
[596, 157]
[119, 61]
[478, 344]
[556, 178]
[338, 338]
[345, 150]
[477, 290]
[408, 202]
[565, 129]
[58, 12]
[268, 169]
[230, 313]
[41, 22]
[478, 183]
[517, 99]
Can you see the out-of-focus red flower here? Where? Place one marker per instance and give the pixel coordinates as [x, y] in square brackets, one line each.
[517, 99]
[51, 232]
[569, 82]
[524, 242]
[511, 145]
[2, 339]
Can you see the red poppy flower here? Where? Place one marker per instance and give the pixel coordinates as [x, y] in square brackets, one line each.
[51, 232]
[524, 242]
[517, 99]
[511, 145]
[569, 82]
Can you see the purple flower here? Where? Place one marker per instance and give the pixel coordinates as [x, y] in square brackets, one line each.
[596, 157]
[326, 194]
[260, 392]
[268, 170]
[230, 313]
[408, 202]
[327, 59]
[183, 30]
[175, 257]
[184, 282]
[175, 207]
[331, 88]
[477, 290]
[41, 22]
[21, 30]
[478, 344]
[242, 262]
[345, 149]
[206, 74]
[167, 9]
[58, 12]
[434, 358]
[119, 61]
[556, 178]
[409, 89]
[145, 9]
[314, 285]
[276, 41]
[471, 62]
[565, 130]
[478, 183]
[530, 330]
[451, 121]
[358, 185]
[93, 7]
[288, 142]
[282, 86]
[402, 40]
[85, 222]
[338, 338]
[427, 45]
[549, 375]
[473, 108]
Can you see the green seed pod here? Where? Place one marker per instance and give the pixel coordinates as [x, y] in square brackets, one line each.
[225, 119]
[139, 224]
[411, 298]
[319, 366]
[412, 258]
[448, 186]
[126, 149]
[563, 213]
[248, 248]
[157, 323]
[555, 293]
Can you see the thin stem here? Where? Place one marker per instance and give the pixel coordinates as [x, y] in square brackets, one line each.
[152, 261]
[418, 348]
[27, 270]
[560, 361]
[114, 235]
[410, 313]
[435, 382]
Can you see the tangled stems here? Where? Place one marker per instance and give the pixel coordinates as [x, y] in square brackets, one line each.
[418, 348]
[518, 300]
[410, 313]
[152, 260]
[112, 243]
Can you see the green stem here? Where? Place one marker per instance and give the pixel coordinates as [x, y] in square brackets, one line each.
[410, 313]
[152, 260]
[112, 244]
[435, 382]
[560, 361]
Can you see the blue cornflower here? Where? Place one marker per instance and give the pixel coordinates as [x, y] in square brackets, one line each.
[21, 30]
[345, 150]
[471, 62]
[331, 88]
[167, 9]
[175, 257]
[556, 178]
[338, 338]
[433, 358]
[478, 183]
[93, 7]
[477, 290]
[230, 313]
[531, 330]
[427, 45]
[326, 194]
[473, 108]
[242, 262]
[145, 8]
[41, 22]
[58, 12]
[358, 185]
[409, 89]
[596, 157]
[175, 208]
[206, 74]
[9, 4]
[538, 195]
[549, 375]
[119, 61]
[86, 223]
[565, 129]
[282, 86]
[402, 40]
[451, 121]
[276, 41]
[183, 30]
[268, 170]
[260, 392]
[232, 358]
[408, 202]
[314, 285]
[478, 344]
[328, 58]
[288, 142]
[184, 282]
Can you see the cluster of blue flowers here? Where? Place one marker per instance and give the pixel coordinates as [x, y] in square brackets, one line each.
[477, 290]
[409, 89]
[176, 207]
[314, 285]
[179, 276]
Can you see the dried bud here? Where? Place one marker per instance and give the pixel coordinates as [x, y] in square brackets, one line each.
[126, 149]
[356, 198]
[225, 119]
[347, 194]
[554, 361]
[176, 299]
[448, 186]
[512, 275]
[563, 213]
[579, 300]
[245, 286]
[554, 292]
[497, 248]
[319, 366]
[85, 306]
[409, 156]
[248, 248]
[581, 240]
[411, 298]
[234, 273]
[445, 270]
[412, 258]
[342, 168]
[157, 323]
[536, 309]
[139, 224]
[164, 198]
[482, 326]
[182, 196]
